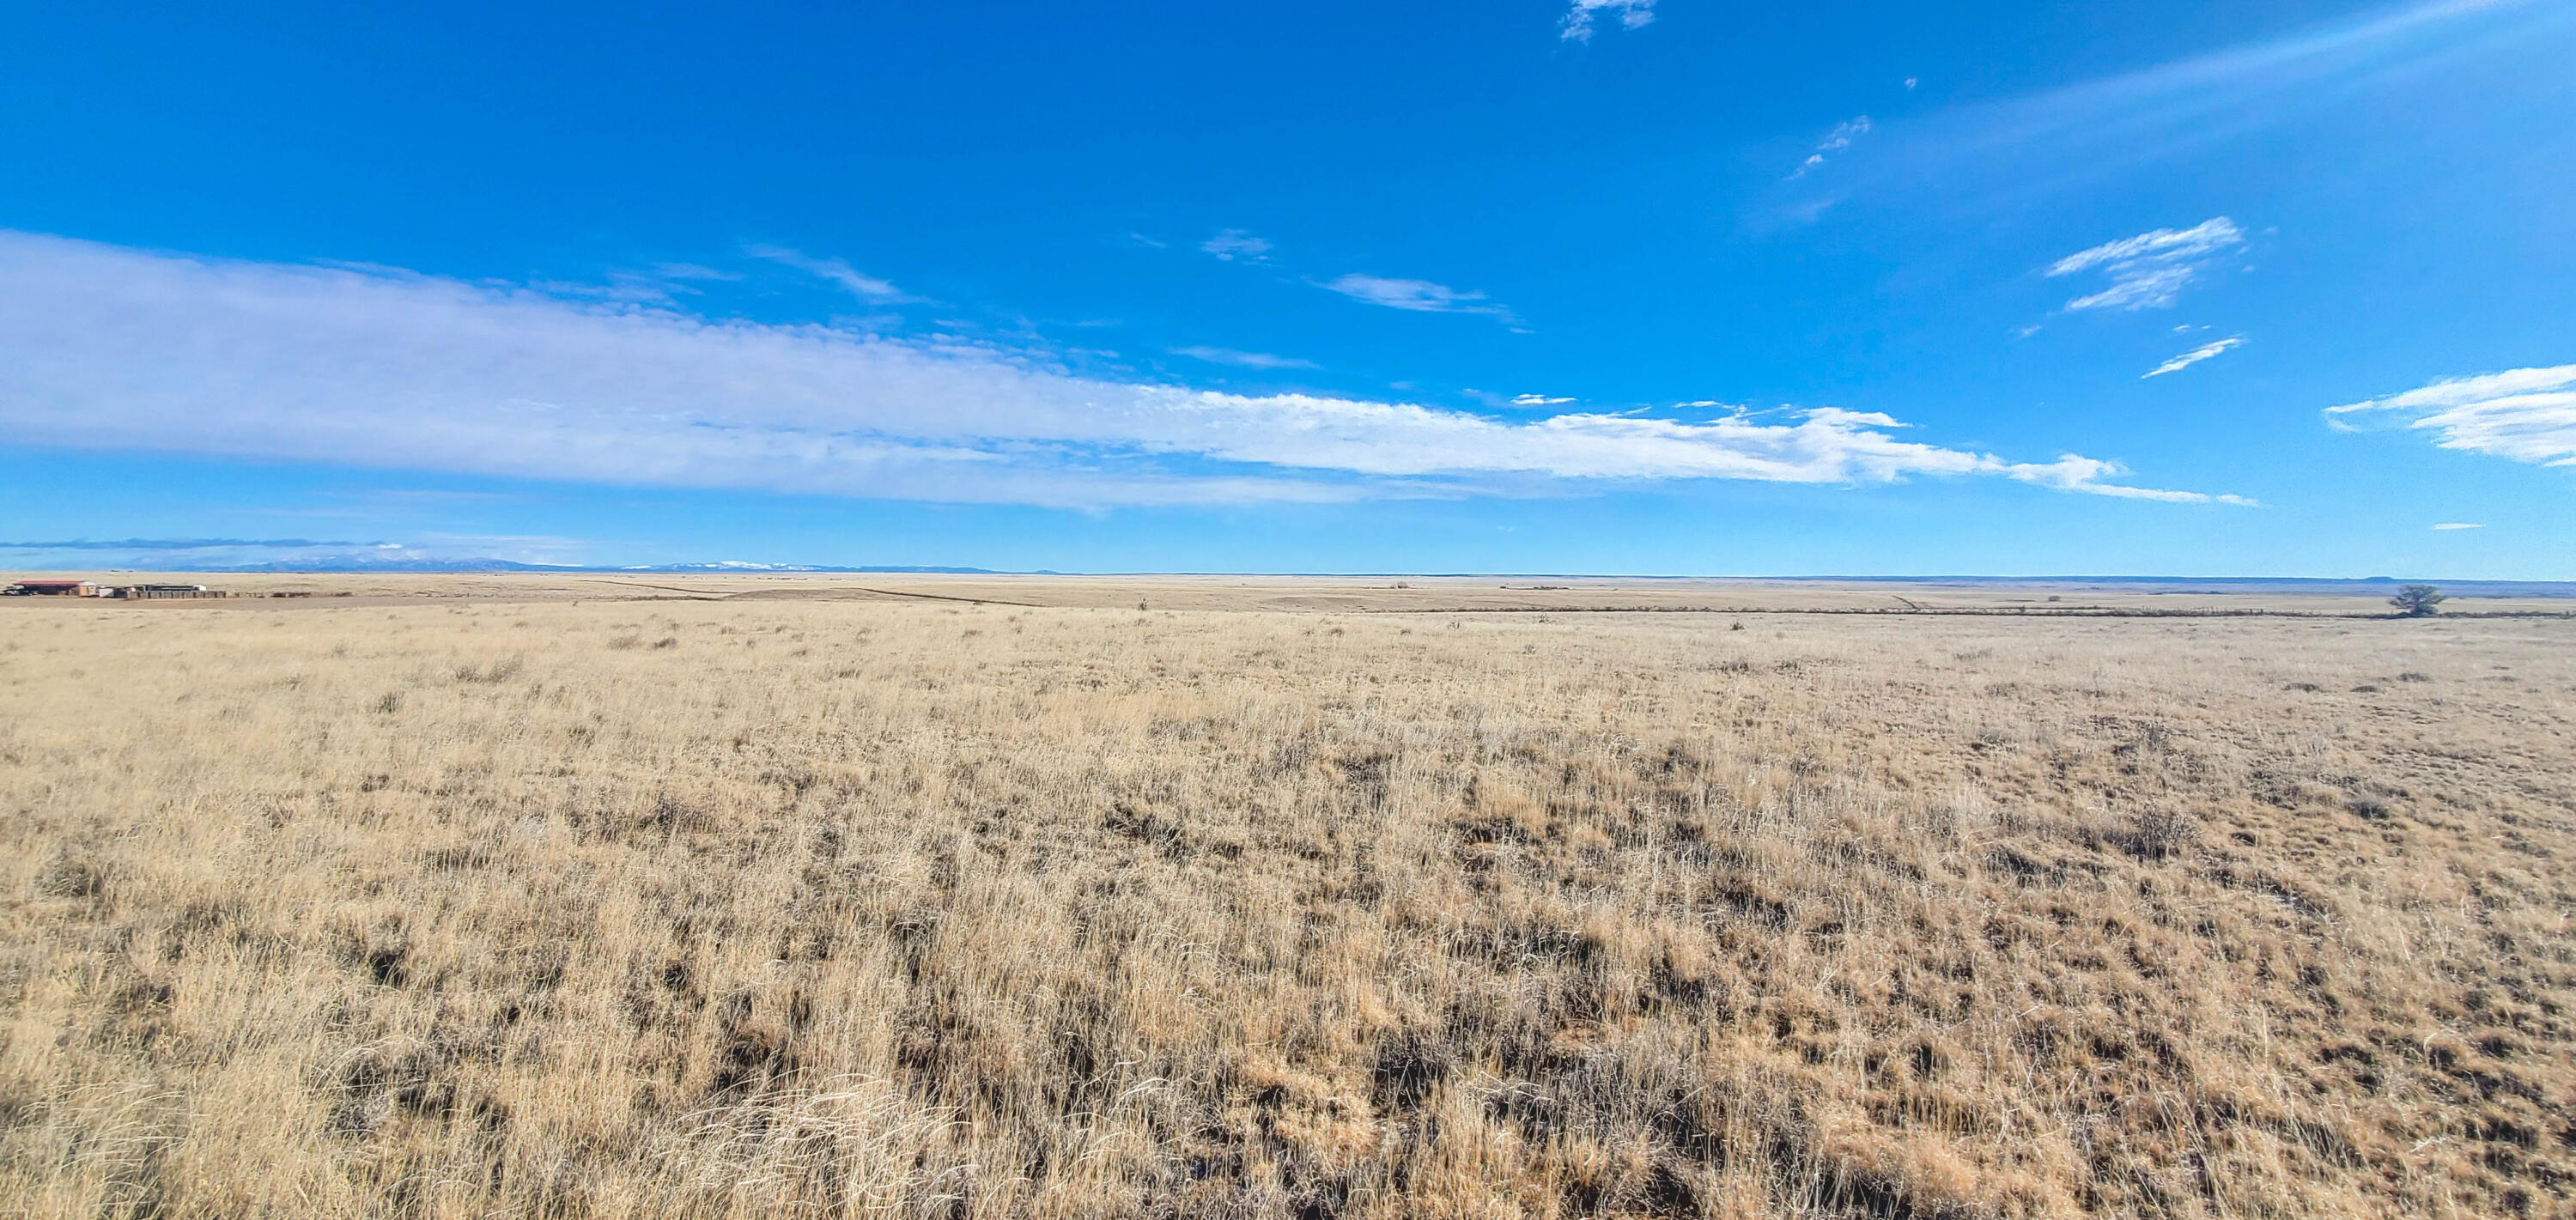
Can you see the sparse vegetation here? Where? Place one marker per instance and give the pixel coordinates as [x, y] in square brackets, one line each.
[1261, 914]
[2418, 601]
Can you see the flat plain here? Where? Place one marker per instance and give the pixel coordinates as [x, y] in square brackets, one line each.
[992, 897]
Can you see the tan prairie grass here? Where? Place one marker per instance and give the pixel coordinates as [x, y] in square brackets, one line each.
[781, 907]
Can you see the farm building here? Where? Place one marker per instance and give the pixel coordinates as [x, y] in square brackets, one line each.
[89, 588]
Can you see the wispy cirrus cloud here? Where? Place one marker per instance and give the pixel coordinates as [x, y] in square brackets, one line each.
[2076, 473]
[2004, 153]
[2527, 415]
[1247, 360]
[1580, 18]
[2459, 525]
[2149, 271]
[1835, 141]
[858, 283]
[661, 284]
[2195, 356]
[1237, 246]
[217, 554]
[177, 544]
[110, 348]
[1420, 296]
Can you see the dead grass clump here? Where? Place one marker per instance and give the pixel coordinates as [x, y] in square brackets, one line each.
[71, 873]
[2157, 833]
[497, 671]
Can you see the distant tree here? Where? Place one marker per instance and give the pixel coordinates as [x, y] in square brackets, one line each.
[2418, 601]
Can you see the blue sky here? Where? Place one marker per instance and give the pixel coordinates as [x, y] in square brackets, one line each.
[1646, 286]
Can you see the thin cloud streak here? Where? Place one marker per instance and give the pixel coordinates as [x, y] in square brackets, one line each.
[2526, 415]
[175, 544]
[1247, 360]
[2005, 152]
[858, 283]
[1235, 245]
[1838, 139]
[1578, 22]
[203, 554]
[2195, 356]
[1420, 296]
[108, 348]
[2149, 271]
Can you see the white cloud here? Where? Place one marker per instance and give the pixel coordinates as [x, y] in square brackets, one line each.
[2014, 155]
[692, 271]
[1249, 360]
[2149, 271]
[109, 348]
[1537, 400]
[2459, 525]
[859, 283]
[2528, 415]
[2194, 356]
[206, 554]
[1838, 139]
[2076, 473]
[1421, 296]
[2216, 233]
[1632, 14]
[1235, 245]
[663, 284]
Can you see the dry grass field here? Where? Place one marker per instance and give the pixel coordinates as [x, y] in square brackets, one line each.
[812, 906]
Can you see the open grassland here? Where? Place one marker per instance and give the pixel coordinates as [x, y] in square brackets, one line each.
[795, 906]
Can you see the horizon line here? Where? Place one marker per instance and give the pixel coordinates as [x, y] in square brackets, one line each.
[511, 567]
